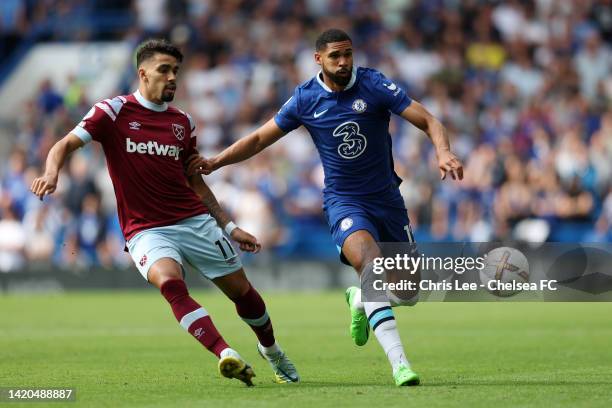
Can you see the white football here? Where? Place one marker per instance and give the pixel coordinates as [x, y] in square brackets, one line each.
[506, 271]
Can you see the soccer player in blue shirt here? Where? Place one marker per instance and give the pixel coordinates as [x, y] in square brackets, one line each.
[346, 112]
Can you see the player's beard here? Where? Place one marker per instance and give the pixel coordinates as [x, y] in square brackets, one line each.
[340, 80]
[168, 94]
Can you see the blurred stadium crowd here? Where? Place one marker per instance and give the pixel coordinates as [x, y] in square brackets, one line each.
[524, 88]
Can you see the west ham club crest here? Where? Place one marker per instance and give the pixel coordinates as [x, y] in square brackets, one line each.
[179, 131]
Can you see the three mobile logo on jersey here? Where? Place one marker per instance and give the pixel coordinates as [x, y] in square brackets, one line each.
[354, 143]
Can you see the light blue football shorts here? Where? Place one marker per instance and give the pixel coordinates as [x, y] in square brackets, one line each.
[196, 241]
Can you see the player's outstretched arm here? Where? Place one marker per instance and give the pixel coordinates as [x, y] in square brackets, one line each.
[241, 150]
[246, 241]
[420, 117]
[47, 183]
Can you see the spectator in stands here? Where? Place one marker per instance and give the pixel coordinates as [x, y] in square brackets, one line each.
[14, 182]
[90, 228]
[41, 226]
[593, 64]
[49, 99]
[12, 239]
[80, 185]
[13, 25]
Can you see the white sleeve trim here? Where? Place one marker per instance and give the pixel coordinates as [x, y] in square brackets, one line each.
[116, 104]
[82, 134]
[191, 122]
[107, 109]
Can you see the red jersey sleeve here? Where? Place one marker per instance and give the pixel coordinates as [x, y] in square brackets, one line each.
[99, 121]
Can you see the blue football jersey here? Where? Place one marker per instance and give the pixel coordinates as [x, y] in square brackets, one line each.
[350, 130]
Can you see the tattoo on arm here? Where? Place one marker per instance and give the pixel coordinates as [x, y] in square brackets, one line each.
[210, 201]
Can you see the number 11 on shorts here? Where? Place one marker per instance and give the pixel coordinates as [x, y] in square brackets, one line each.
[219, 244]
[409, 233]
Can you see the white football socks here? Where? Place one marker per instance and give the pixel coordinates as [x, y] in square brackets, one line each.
[394, 300]
[229, 352]
[381, 320]
[271, 350]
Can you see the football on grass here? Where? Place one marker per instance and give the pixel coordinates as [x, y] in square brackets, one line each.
[506, 271]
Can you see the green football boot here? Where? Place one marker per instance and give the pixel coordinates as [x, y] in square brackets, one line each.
[404, 376]
[360, 329]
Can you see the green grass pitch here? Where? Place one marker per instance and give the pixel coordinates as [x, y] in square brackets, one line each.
[126, 349]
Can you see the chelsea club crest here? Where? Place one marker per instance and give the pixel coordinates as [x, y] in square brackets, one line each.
[346, 223]
[359, 105]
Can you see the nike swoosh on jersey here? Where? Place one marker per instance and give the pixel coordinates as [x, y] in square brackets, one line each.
[317, 114]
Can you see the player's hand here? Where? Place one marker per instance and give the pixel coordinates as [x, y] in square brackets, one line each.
[197, 164]
[449, 163]
[248, 243]
[42, 186]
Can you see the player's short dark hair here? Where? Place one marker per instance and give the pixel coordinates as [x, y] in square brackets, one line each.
[330, 36]
[154, 46]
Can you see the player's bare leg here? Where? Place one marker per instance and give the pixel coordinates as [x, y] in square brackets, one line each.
[166, 275]
[252, 309]
[360, 249]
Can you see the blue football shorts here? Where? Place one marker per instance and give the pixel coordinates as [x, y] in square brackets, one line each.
[386, 221]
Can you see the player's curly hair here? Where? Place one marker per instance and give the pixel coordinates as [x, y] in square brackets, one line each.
[330, 36]
[153, 46]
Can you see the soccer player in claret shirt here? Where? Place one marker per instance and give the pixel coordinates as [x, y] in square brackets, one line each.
[169, 219]
[346, 111]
